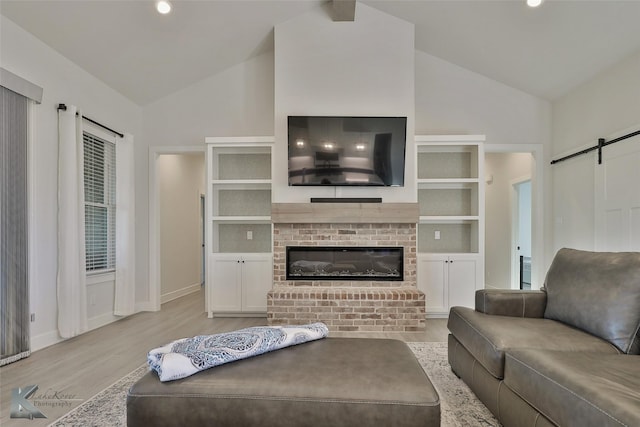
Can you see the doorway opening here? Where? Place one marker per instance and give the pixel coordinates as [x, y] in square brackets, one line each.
[521, 235]
[176, 185]
[203, 258]
[513, 216]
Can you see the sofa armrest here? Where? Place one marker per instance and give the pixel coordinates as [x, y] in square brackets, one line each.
[515, 303]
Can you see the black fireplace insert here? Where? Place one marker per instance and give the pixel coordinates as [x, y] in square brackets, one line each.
[345, 263]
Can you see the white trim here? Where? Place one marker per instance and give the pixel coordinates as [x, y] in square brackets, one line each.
[98, 132]
[45, 340]
[537, 207]
[449, 138]
[20, 86]
[94, 279]
[170, 296]
[102, 320]
[31, 215]
[515, 227]
[155, 299]
[436, 315]
[144, 306]
[52, 337]
[235, 140]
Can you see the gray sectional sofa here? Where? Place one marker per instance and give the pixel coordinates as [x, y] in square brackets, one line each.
[567, 355]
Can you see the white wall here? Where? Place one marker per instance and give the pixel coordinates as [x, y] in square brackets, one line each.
[367, 67]
[503, 168]
[453, 100]
[181, 182]
[235, 102]
[600, 108]
[361, 68]
[241, 100]
[63, 82]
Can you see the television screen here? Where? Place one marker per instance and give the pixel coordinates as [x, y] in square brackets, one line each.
[327, 150]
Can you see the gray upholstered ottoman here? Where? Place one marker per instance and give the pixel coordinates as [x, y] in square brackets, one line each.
[330, 382]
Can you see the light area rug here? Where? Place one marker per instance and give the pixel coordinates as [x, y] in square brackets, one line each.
[459, 406]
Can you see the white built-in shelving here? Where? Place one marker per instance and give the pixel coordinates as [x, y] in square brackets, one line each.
[450, 187]
[239, 230]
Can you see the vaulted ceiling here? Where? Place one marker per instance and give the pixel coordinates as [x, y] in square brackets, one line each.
[545, 51]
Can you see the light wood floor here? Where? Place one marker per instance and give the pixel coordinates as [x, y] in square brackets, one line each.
[82, 366]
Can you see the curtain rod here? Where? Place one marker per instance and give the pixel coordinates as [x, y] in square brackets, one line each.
[115, 132]
[601, 143]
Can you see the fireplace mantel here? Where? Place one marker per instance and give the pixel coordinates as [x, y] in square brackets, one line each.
[326, 213]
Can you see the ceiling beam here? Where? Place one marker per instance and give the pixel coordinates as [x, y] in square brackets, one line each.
[344, 10]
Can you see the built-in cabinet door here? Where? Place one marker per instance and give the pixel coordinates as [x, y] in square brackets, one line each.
[432, 279]
[462, 281]
[257, 279]
[238, 223]
[240, 282]
[448, 281]
[225, 280]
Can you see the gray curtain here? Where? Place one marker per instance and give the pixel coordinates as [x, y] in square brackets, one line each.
[14, 302]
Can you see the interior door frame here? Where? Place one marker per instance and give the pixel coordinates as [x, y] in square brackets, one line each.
[514, 197]
[537, 203]
[154, 217]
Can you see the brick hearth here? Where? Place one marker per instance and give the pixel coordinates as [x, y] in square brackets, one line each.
[346, 305]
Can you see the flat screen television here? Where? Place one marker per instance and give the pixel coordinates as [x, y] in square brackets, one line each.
[359, 151]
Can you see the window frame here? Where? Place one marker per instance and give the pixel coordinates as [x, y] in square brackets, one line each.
[109, 174]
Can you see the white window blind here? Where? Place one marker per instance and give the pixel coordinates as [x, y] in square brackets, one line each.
[100, 203]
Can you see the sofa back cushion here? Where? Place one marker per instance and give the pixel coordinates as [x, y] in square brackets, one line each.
[598, 292]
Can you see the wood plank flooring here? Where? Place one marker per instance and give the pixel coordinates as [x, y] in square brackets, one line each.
[83, 366]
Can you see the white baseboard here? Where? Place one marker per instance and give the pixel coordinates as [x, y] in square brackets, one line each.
[145, 306]
[47, 339]
[102, 320]
[170, 296]
[437, 315]
[41, 341]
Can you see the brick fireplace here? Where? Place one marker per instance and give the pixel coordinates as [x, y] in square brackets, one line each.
[346, 305]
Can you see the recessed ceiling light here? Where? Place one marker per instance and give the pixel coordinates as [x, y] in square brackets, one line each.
[534, 3]
[163, 7]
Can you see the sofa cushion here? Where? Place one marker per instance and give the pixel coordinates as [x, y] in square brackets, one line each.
[487, 337]
[598, 292]
[577, 389]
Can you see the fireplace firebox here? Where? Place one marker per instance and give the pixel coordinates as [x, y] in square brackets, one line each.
[345, 263]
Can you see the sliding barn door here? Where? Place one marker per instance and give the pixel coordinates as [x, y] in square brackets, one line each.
[617, 197]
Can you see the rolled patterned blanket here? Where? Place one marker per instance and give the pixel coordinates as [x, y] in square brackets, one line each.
[187, 356]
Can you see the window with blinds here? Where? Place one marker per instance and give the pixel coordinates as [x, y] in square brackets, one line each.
[100, 203]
